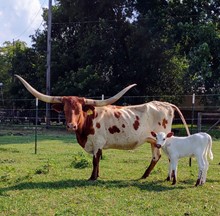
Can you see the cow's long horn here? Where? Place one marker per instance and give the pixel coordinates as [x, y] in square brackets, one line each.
[109, 100]
[40, 96]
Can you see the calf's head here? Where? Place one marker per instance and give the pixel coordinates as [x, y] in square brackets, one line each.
[161, 138]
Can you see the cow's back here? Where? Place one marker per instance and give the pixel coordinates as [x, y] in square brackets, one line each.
[128, 127]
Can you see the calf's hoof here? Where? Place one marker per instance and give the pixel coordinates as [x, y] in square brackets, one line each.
[168, 178]
[199, 182]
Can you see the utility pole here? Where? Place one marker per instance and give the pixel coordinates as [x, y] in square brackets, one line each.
[49, 24]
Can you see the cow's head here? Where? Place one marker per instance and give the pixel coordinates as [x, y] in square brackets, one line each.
[75, 110]
[74, 107]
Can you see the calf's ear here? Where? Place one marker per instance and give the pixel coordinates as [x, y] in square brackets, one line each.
[153, 134]
[170, 134]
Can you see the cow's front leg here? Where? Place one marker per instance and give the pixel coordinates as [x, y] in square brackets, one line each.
[95, 162]
[156, 154]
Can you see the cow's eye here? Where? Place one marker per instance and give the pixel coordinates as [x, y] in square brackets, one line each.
[164, 139]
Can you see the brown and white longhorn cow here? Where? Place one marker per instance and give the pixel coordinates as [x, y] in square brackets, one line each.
[99, 125]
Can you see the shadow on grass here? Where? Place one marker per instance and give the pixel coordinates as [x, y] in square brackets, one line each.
[76, 183]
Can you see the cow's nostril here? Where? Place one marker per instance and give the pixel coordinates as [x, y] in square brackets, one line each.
[71, 126]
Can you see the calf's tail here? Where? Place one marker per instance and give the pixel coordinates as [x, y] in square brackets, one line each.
[210, 148]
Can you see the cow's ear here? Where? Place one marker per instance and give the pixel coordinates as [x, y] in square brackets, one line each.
[153, 134]
[170, 134]
[88, 108]
[57, 107]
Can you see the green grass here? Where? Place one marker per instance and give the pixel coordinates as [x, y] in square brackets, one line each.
[47, 183]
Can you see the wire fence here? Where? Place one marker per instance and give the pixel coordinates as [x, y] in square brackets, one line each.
[22, 112]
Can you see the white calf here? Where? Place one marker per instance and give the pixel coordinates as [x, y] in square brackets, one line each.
[198, 145]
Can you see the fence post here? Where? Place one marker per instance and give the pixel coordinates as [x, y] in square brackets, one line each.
[36, 121]
[193, 107]
[199, 121]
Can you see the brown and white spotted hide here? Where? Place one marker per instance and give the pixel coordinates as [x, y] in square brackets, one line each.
[114, 127]
[117, 127]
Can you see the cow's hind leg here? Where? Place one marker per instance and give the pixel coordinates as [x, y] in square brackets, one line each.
[95, 171]
[156, 154]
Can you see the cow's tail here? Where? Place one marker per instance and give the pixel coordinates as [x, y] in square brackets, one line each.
[182, 118]
[186, 126]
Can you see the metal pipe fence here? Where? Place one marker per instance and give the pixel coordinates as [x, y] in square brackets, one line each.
[22, 112]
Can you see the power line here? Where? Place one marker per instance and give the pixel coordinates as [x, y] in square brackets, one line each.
[22, 33]
[114, 20]
[40, 26]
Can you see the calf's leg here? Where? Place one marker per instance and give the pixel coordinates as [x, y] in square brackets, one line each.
[169, 172]
[206, 165]
[174, 177]
[95, 171]
[173, 170]
[156, 154]
[201, 164]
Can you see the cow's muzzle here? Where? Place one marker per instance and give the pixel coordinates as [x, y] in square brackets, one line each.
[71, 127]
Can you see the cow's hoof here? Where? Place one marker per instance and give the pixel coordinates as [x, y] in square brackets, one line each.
[92, 179]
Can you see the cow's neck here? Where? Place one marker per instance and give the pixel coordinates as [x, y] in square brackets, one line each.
[85, 128]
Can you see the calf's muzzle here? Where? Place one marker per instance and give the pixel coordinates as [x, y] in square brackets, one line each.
[158, 146]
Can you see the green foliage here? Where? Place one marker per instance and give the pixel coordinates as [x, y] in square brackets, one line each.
[166, 47]
[7, 63]
[6, 173]
[44, 169]
[80, 161]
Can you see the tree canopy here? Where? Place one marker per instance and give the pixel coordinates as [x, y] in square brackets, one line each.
[100, 46]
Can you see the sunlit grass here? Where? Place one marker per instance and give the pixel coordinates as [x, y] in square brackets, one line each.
[47, 183]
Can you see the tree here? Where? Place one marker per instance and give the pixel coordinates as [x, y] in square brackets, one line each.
[196, 33]
[157, 64]
[17, 58]
[89, 40]
[8, 63]
[166, 47]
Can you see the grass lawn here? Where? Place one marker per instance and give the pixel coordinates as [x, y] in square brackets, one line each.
[48, 183]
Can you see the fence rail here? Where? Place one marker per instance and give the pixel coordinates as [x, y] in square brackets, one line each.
[23, 111]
